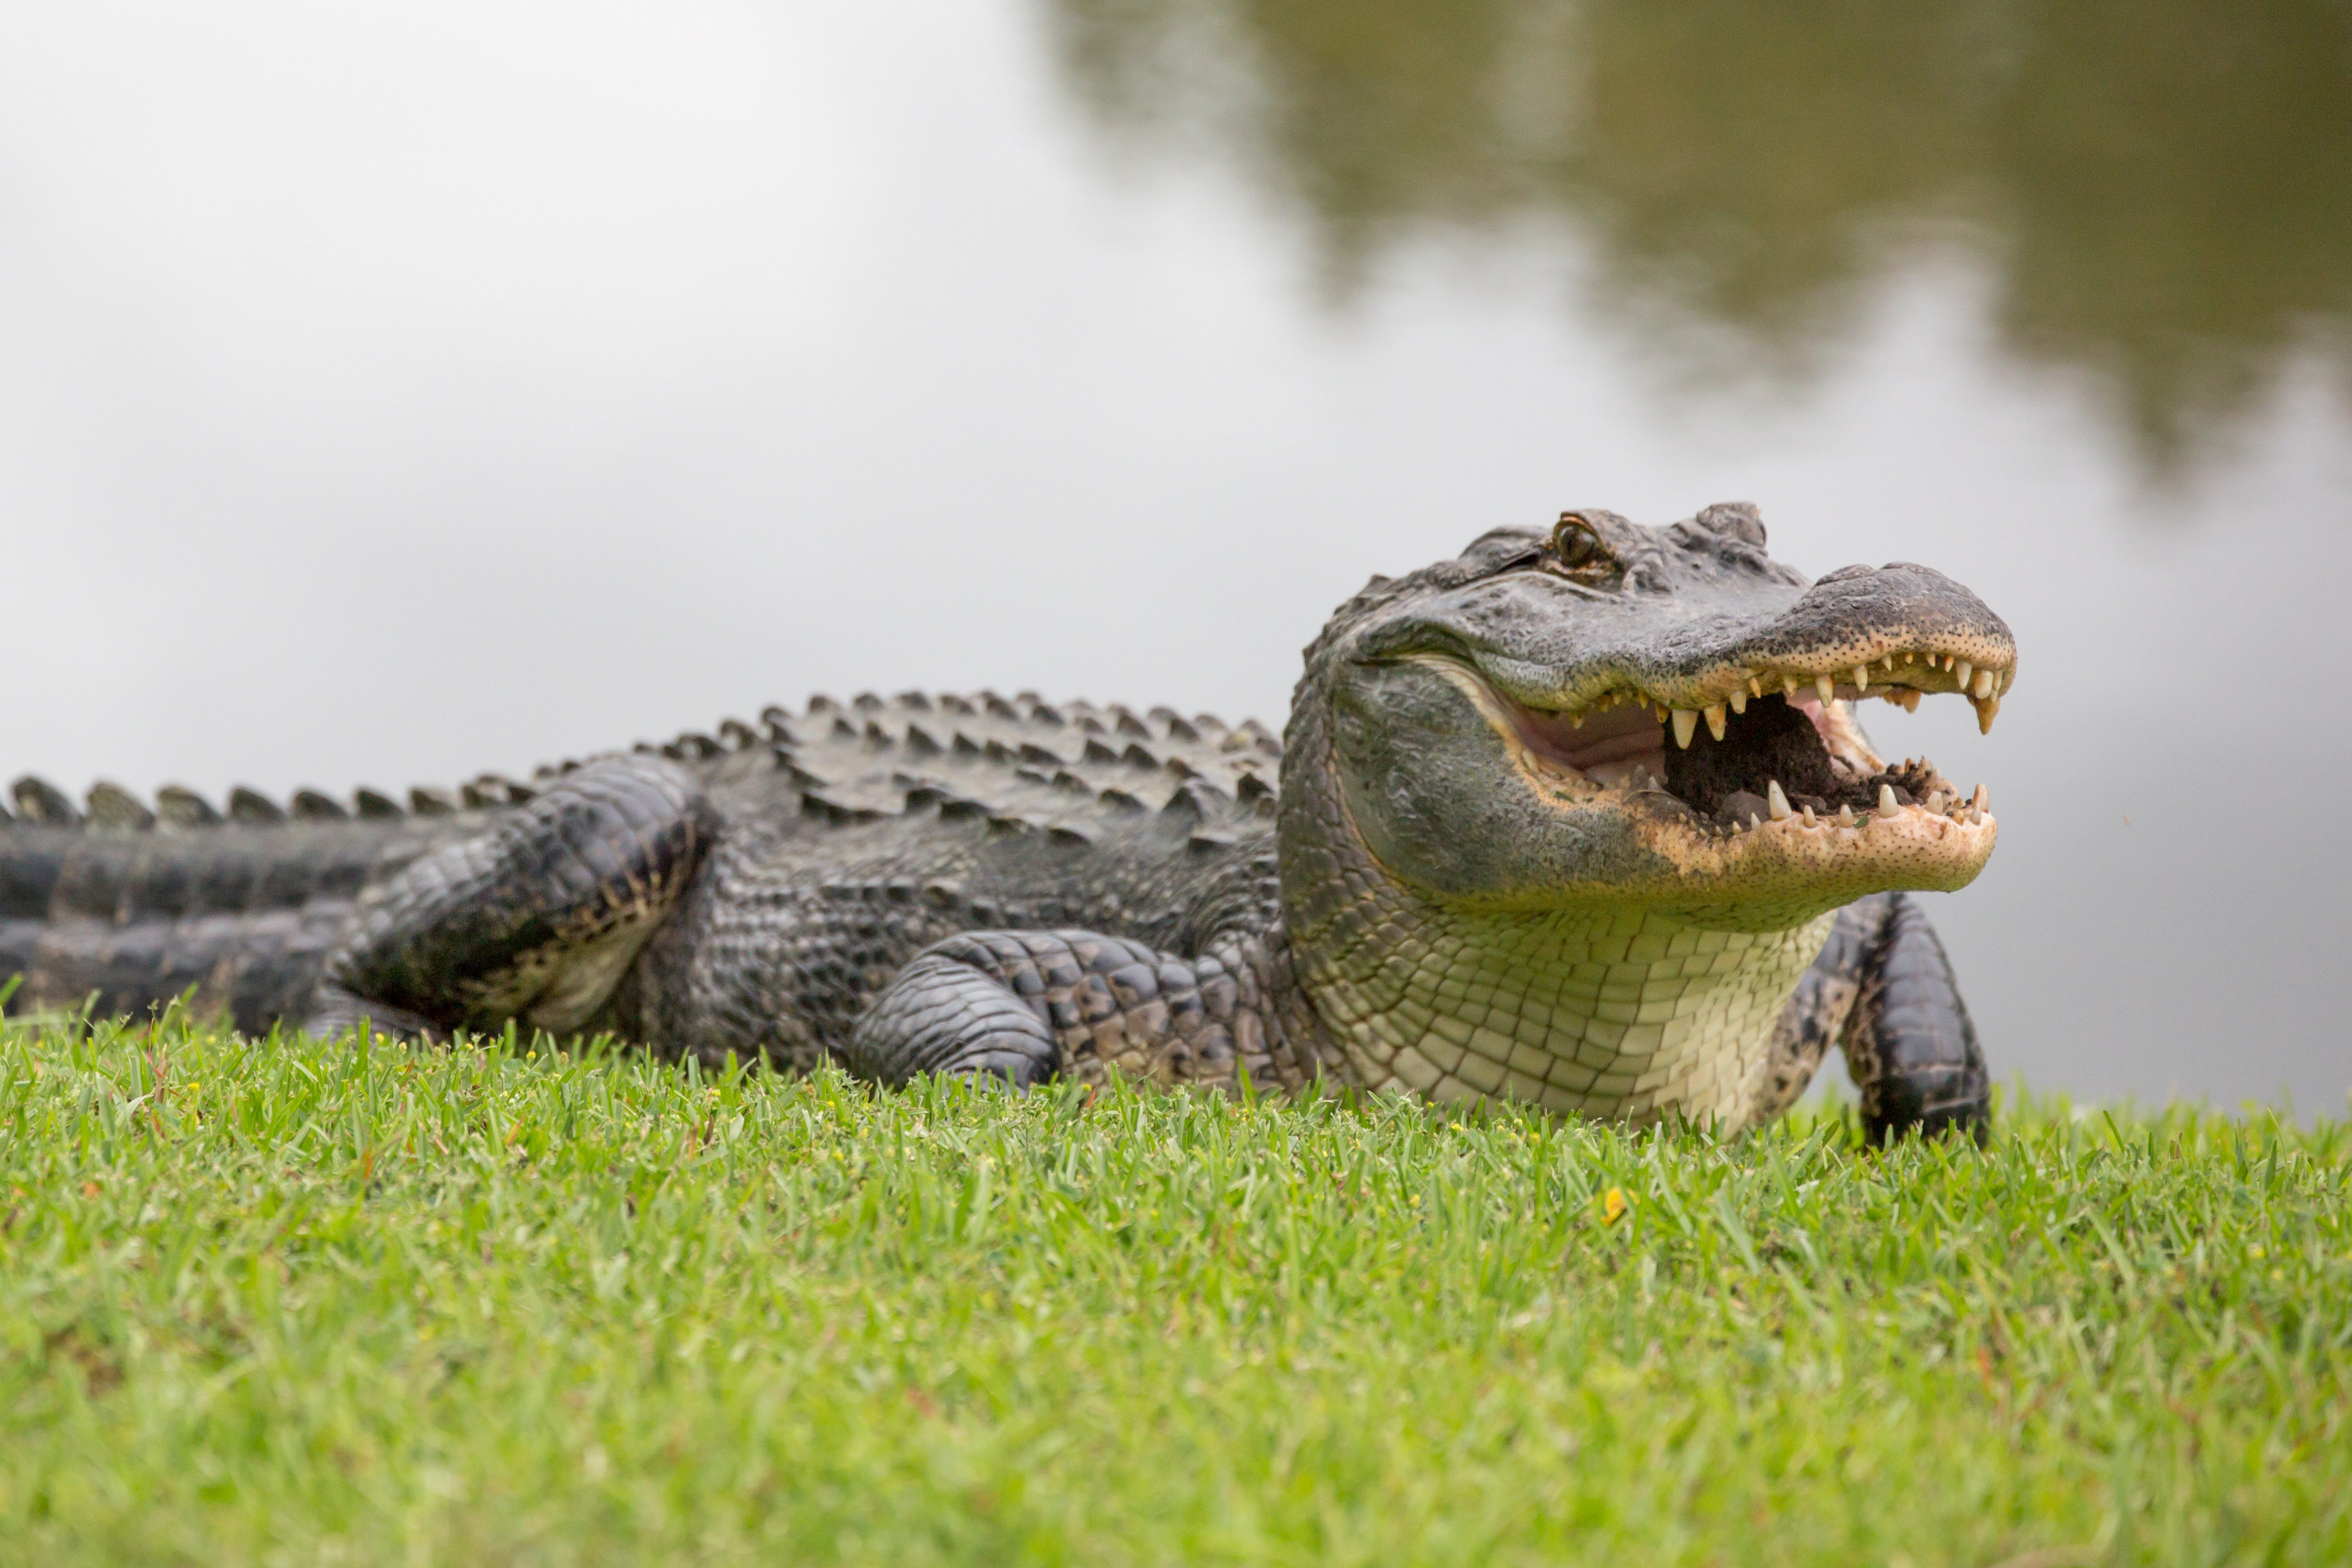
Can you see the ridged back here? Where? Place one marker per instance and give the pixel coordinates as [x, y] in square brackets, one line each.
[1069, 769]
[137, 902]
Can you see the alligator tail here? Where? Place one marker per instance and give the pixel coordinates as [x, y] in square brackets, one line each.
[125, 907]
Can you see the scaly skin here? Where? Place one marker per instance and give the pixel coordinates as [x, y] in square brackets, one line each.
[1479, 865]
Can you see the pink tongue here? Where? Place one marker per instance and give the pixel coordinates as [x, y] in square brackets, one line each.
[1622, 734]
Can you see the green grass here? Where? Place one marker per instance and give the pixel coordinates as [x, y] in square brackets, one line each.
[301, 1303]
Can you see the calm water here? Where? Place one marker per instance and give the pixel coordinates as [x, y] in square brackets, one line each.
[392, 394]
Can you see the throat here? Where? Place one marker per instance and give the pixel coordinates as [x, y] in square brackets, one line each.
[1625, 1014]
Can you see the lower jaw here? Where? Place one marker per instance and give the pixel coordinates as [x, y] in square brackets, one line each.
[1782, 874]
[1645, 852]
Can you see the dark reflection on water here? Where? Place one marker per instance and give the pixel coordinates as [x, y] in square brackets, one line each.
[2162, 189]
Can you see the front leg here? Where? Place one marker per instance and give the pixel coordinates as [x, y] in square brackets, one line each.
[531, 923]
[1910, 1046]
[1883, 991]
[1028, 1007]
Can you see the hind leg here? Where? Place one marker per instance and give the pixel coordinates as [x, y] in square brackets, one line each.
[532, 923]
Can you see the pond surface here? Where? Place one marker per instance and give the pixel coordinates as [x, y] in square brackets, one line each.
[397, 392]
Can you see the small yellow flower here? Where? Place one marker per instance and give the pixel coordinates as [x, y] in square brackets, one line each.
[1612, 1205]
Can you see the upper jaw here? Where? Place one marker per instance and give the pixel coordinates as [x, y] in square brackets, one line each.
[1708, 694]
[1578, 713]
[1897, 631]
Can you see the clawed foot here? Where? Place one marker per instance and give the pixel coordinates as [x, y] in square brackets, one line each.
[942, 1016]
[335, 1011]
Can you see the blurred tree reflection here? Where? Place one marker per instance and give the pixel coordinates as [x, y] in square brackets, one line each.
[2162, 188]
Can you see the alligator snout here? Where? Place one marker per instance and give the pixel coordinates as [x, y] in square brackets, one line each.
[1857, 615]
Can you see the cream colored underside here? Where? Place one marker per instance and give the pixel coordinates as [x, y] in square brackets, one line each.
[1625, 1015]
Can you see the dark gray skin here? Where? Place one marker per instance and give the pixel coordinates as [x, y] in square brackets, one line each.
[1479, 865]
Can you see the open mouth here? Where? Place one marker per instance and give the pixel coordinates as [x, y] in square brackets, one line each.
[1772, 748]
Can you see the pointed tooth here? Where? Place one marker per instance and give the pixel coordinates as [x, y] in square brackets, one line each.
[1738, 701]
[1845, 816]
[1776, 802]
[1984, 683]
[1788, 687]
[1827, 685]
[1888, 661]
[1862, 676]
[1755, 687]
[1910, 658]
[1686, 725]
[1887, 806]
[1809, 816]
[1936, 802]
[1962, 672]
[1576, 720]
[1713, 713]
[1910, 700]
[1982, 799]
[1985, 712]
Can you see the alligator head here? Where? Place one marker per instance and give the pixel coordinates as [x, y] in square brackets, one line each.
[1612, 714]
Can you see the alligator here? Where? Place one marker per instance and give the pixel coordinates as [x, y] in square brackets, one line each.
[1582, 819]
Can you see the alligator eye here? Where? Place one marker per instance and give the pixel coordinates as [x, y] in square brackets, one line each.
[1577, 543]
